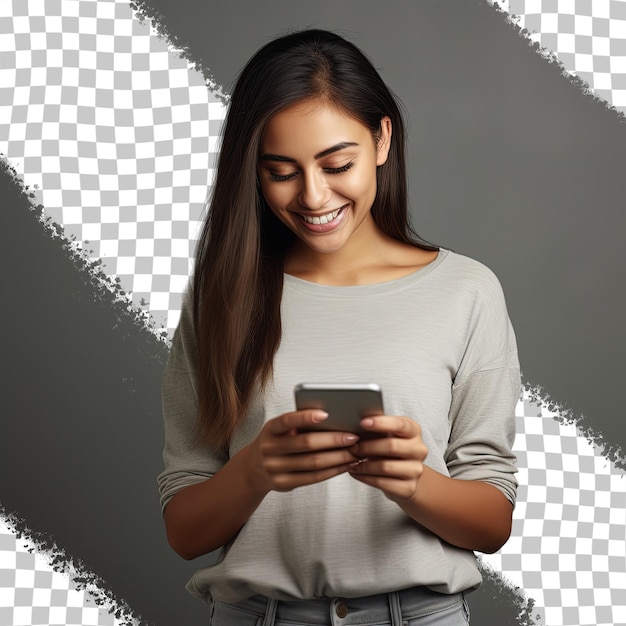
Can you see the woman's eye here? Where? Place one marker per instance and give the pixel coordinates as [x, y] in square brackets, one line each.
[281, 178]
[339, 170]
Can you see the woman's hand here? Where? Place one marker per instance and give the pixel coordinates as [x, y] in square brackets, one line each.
[392, 462]
[205, 516]
[470, 514]
[282, 457]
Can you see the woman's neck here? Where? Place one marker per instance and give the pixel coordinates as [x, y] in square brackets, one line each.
[378, 259]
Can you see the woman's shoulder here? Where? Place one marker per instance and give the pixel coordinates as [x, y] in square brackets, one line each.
[410, 258]
[469, 277]
[467, 268]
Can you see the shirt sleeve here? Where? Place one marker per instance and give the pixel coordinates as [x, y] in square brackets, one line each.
[186, 462]
[484, 396]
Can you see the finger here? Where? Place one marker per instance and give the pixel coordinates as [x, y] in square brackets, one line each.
[322, 440]
[396, 425]
[309, 442]
[388, 468]
[278, 447]
[282, 424]
[308, 462]
[393, 447]
[289, 481]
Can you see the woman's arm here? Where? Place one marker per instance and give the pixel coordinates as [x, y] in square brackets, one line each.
[203, 517]
[470, 514]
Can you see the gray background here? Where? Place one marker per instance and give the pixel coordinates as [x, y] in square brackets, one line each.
[510, 163]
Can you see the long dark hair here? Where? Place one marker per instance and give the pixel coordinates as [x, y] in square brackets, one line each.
[238, 278]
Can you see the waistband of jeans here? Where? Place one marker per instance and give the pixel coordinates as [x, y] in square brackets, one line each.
[414, 601]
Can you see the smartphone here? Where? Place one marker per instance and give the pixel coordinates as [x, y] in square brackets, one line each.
[346, 405]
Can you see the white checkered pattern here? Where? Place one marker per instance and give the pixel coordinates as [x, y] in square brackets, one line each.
[120, 136]
[117, 132]
[31, 592]
[587, 37]
[567, 549]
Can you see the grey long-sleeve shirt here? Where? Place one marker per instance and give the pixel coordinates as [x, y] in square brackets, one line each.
[440, 344]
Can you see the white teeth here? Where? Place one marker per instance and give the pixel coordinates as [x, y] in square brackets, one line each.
[324, 219]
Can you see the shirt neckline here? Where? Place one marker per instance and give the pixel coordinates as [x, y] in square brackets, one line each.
[300, 284]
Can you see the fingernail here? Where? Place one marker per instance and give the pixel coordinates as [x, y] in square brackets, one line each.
[319, 416]
[350, 438]
[368, 421]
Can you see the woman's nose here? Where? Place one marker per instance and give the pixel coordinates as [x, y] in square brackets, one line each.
[314, 194]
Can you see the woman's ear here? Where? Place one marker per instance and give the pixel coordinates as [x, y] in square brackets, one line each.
[383, 142]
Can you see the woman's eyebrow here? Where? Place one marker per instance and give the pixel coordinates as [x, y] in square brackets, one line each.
[335, 148]
[319, 155]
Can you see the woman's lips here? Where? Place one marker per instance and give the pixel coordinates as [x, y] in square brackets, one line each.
[324, 223]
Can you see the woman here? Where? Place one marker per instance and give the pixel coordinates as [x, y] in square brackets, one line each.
[307, 271]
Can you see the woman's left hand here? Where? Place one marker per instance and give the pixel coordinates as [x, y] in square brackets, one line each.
[392, 462]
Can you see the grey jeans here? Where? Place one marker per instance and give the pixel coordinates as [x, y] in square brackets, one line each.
[417, 606]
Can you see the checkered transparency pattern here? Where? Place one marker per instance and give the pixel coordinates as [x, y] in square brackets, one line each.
[587, 37]
[32, 593]
[120, 135]
[567, 550]
[116, 131]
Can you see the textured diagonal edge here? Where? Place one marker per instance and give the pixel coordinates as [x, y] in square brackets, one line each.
[563, 585]
[62, 563]
[89, 266]
[538, 393]
[552, 58]
[143, 13]
[141, 286]
[566, 415]
[110, 291]
[527, 614]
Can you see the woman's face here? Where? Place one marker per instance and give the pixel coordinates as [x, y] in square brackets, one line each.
[317, 169]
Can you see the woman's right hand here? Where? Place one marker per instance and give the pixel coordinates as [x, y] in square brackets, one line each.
[283, 457]
[204, 516]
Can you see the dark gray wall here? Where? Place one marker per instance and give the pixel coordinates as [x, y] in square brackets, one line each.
[510, 164]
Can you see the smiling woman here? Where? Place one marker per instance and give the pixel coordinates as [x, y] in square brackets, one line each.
[309, 271]
[317, 172]
[316, 189]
